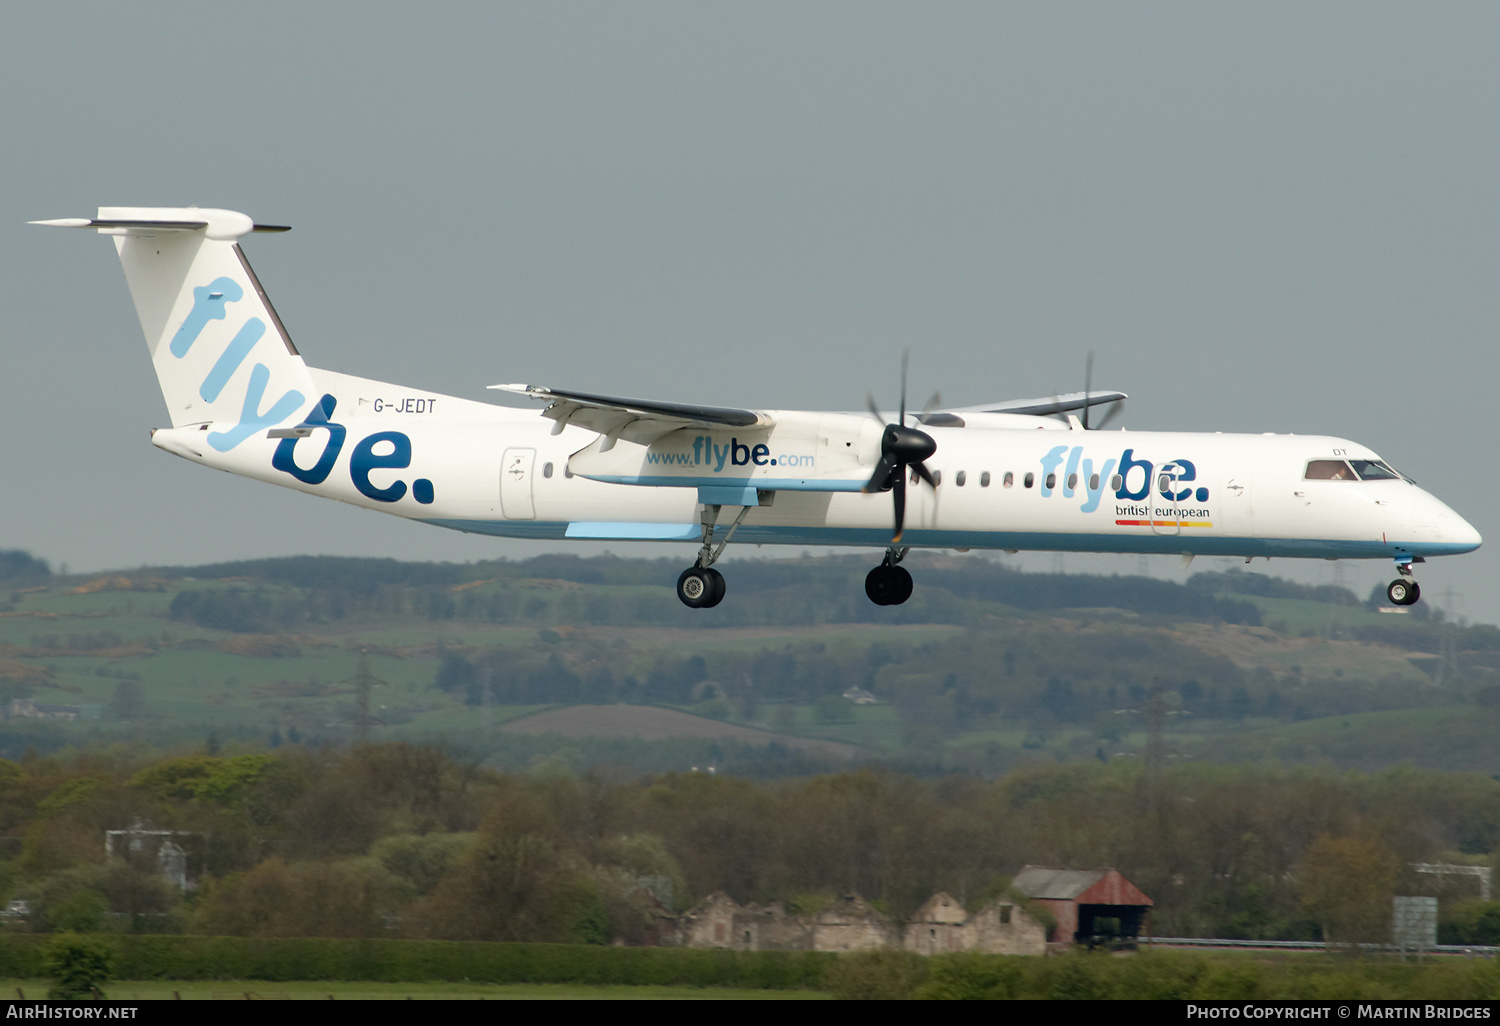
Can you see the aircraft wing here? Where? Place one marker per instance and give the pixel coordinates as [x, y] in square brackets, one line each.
[635, 420]
[953, 417]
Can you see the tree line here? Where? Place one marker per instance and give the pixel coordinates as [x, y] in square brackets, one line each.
[396, 840]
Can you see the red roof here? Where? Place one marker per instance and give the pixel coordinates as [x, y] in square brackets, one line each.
[1084, 886]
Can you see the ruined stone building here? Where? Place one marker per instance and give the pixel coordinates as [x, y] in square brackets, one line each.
[718, 921]
[851, 923]
[1000, 928]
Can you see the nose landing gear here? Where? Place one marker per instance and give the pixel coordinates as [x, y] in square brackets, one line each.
[889, 584]
[1404, 590]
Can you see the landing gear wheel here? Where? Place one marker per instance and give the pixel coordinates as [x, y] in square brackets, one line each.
[696, 587]
[1403, 592]
[888, 585]
[717, 580]
[701, 587]
[903, 585]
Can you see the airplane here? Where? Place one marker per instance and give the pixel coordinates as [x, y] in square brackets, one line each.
[1006, 475]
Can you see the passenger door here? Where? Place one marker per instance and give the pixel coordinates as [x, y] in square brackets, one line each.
[515, 484]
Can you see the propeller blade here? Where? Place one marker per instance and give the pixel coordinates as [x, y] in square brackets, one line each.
[874, 410]
[932, 404]
[1088, 380]
[905, 358]
[1113, 412]
[899, 487]
[901, 447]
[881, 479]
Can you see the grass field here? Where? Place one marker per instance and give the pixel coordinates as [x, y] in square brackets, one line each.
[651, 723]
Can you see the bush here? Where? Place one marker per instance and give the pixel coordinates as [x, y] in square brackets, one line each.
[972, 976]
[80, 965]
[876, 975]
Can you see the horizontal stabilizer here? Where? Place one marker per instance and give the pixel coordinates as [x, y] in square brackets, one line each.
[222, 356]
[215, 224]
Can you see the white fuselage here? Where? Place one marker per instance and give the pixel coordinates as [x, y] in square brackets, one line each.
[1004, 482]
[241, 399]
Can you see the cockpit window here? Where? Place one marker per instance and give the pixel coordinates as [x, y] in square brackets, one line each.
[1329, 470]
[1374, 470]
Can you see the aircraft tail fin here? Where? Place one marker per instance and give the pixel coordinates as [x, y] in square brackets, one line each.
[221, 353]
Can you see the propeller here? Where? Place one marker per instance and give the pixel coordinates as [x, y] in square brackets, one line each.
[1088, 383]
[900, 447]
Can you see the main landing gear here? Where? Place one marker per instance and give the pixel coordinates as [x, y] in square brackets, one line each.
[1404, 590]
[889, 584]
[701, 586]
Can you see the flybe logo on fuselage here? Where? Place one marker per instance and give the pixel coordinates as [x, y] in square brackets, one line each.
[394, 453]
[1128, 478]
[380, 450]
[710, 455]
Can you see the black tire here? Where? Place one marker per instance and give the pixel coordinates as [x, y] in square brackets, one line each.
[1416, 593]
[881, 586]
[717, 580]
[1402, 592]
[696, 588]
[903, 585]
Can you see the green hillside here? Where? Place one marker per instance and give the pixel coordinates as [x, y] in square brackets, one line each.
[985, 669]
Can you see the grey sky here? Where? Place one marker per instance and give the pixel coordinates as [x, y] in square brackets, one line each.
[1262, 217]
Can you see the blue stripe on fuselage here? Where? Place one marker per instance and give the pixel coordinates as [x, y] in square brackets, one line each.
[1034, 541]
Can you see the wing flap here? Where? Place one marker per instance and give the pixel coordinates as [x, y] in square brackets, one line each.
[635, 420]
[953, 417]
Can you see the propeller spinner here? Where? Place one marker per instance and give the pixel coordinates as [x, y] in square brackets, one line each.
[900, 447]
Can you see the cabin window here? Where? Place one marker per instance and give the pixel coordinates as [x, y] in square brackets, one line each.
[1008, 480]
[1051, 480]
[546, 470]
[1029, 479]
[1374, 470]
[1072, 481]
[984, 479]
[567, 470]
[1094, 483]
[1117, 482]
[1329, 470]
[937, 478]
[960, 478]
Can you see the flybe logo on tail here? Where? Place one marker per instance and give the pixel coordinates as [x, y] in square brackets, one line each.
[209, 302]
[378, 451]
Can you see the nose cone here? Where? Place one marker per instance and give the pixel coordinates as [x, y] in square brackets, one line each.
[1442, 531]
[1463, 533]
